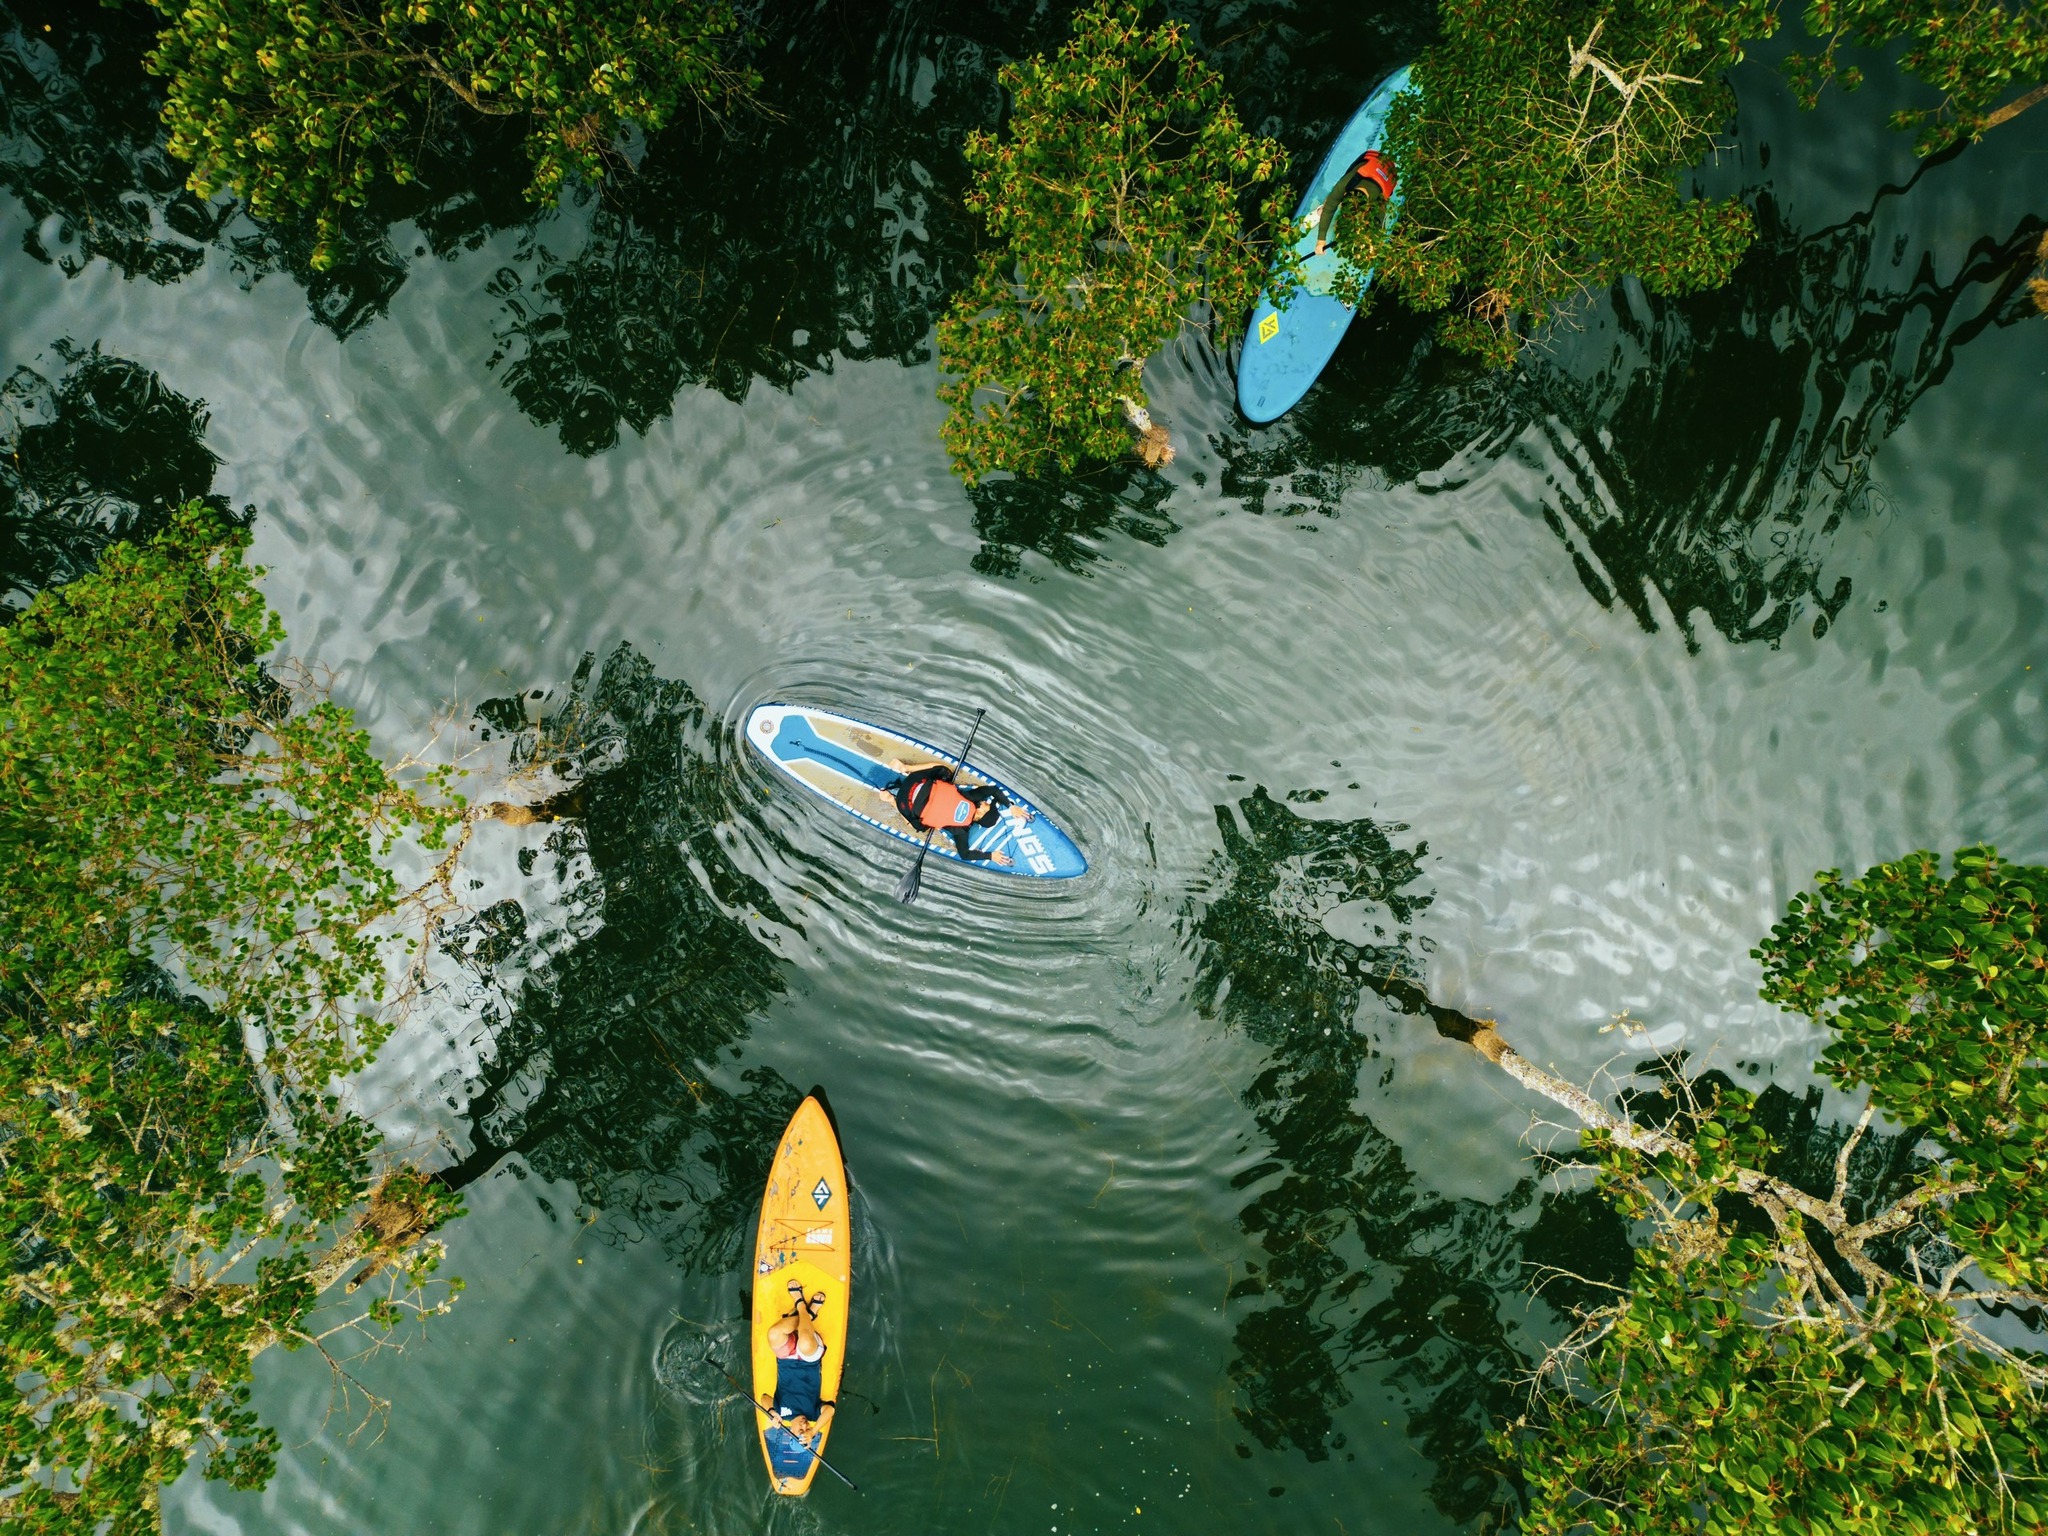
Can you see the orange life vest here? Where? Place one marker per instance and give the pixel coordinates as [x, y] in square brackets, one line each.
[942, 806]
[1378, 169]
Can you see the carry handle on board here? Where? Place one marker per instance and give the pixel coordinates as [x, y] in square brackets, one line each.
[907, 891]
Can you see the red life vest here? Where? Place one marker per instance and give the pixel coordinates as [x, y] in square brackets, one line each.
[1378, 169]
[941, 806]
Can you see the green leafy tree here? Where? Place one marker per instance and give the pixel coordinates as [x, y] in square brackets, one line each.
[1118, 206]
[1538, 156]
[195, 935]
[1828, 1347]
[1972, 53]
[1547, 149]
[302, 105]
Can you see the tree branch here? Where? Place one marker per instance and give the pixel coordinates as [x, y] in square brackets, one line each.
[2015, 107]
[1842, 1162]
[1906, 1211]
[1484, 1037]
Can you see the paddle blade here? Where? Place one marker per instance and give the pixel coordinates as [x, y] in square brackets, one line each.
[906, 888]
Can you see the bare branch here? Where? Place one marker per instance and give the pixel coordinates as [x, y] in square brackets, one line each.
[1842, 1160]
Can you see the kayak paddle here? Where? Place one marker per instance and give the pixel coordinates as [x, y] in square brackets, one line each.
[738, 1391]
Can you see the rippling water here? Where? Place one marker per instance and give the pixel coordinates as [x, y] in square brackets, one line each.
[1544, 692]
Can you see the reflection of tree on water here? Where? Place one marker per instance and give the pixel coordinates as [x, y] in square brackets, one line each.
[1363, 1264]
[471, 183]
[1063, 517]
[831, 225]
[1706, 462]
[761, 247]
[600, 1071]
[81, 146]
[91, 450]
[1710, 458]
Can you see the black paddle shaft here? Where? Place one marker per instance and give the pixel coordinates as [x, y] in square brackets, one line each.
[739, 1390]
[914, 876]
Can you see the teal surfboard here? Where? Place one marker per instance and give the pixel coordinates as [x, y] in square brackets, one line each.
[848, 763]
[1286, 350]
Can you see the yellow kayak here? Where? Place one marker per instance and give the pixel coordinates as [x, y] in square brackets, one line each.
[806, 1238]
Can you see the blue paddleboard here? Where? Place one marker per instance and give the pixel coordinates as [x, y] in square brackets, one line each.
[1286, 350]
[847, 762]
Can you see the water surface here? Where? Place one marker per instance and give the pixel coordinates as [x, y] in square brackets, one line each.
[1545, 691]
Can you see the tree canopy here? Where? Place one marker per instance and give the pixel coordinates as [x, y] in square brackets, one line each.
[1118, 202]
[1829, 1346]
[300, 106]
[1546, 152]
[1549, 147]
[195, 933]
[1537, 159]
[1971, 53]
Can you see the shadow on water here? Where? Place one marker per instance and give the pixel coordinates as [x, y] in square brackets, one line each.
[1709, 458]
[82, 148]
[1364, 1266]
[471, 184]
[1064, 517]
[1701, 466]
[92, 449]
[827, 224]
[1299, 71]
[604, 1067]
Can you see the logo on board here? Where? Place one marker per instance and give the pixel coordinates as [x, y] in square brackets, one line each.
[822, 1194]
[1039, 860]
[1268, 329]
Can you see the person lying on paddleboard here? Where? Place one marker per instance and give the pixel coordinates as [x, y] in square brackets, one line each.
[929, 800]
[798, 1404]
[1362, 194]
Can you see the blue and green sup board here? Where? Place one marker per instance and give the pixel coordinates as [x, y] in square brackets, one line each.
[1286, 350]
[847, 763]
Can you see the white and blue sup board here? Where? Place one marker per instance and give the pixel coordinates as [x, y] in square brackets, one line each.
[1286, 350]
[847, 762]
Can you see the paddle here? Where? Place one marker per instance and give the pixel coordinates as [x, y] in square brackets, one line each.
[740, 1391]
[907, 891]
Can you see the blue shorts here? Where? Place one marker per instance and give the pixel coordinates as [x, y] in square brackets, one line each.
[800, 1387]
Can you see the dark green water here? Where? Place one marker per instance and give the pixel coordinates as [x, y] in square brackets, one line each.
[1544, 691]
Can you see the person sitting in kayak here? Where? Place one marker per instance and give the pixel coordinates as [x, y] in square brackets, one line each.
[1362, 194]
[929, 800]
[797, 1407]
